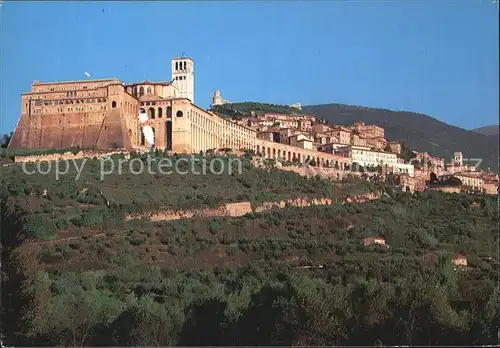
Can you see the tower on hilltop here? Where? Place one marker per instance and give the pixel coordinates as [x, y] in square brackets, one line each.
[183, 77]
[458, 158]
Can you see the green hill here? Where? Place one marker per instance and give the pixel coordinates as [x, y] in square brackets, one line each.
[419, 132]
[246, 109]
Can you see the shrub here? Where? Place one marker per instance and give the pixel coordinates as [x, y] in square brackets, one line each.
[35, 225]
[76, 221]
[136, 240]
[61, 248]
[215, 225]
[62, 224]
[92, 217]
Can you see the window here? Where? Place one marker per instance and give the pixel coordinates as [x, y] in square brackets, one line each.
[160, 112]
[113, 104]
[179, 113]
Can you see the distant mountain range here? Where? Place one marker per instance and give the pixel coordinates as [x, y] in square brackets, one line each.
[488, 130]
[418, 131]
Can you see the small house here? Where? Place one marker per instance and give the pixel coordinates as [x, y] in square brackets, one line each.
[460, 260]
[373, 240]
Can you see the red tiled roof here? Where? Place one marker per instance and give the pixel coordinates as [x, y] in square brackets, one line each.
[145, 82]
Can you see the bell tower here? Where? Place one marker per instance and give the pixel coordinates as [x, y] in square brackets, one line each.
[183, 77]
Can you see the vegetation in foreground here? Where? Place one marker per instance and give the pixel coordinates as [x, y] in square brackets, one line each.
[294, 276]
[78, 203]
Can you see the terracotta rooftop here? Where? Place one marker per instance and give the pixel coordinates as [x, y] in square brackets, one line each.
[37, 83]
[145, 82]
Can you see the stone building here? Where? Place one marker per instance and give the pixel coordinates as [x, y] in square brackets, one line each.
[342, 134]
[373, 240]
[395, 147]
[459, 260]
[85, 114]
[217, 99]
[104, 114]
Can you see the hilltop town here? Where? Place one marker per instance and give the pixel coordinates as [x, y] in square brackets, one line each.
[103, 115]
[369, 152]
[318, 221]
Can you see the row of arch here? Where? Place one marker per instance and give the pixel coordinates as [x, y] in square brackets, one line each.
[180, 66]
[143, 138]
[297, 157]
[141, 91]
[202, 139]
[158, 112]
[209, 132]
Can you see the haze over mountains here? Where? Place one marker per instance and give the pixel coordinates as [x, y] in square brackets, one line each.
[488, 130]
[420, 132]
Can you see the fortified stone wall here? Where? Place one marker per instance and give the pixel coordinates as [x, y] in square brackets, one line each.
[85, 114]
[273, 150]
[67, 156]
[242, 208]
[449, 189]
[324, 173]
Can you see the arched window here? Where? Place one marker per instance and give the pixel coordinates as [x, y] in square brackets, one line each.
[143, 110]
[113, 104]
[149, 90]
[143, 139]
[179, 113]
[169, 112]
[160, 112]
[151, 113]
[134, 91]
[141, 91]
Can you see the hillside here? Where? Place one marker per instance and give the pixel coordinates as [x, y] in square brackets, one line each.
[295, 276]
[488, 130]
[247, 108]
[420, 132]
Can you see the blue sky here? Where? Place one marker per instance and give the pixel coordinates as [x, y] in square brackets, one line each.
[437, 58]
